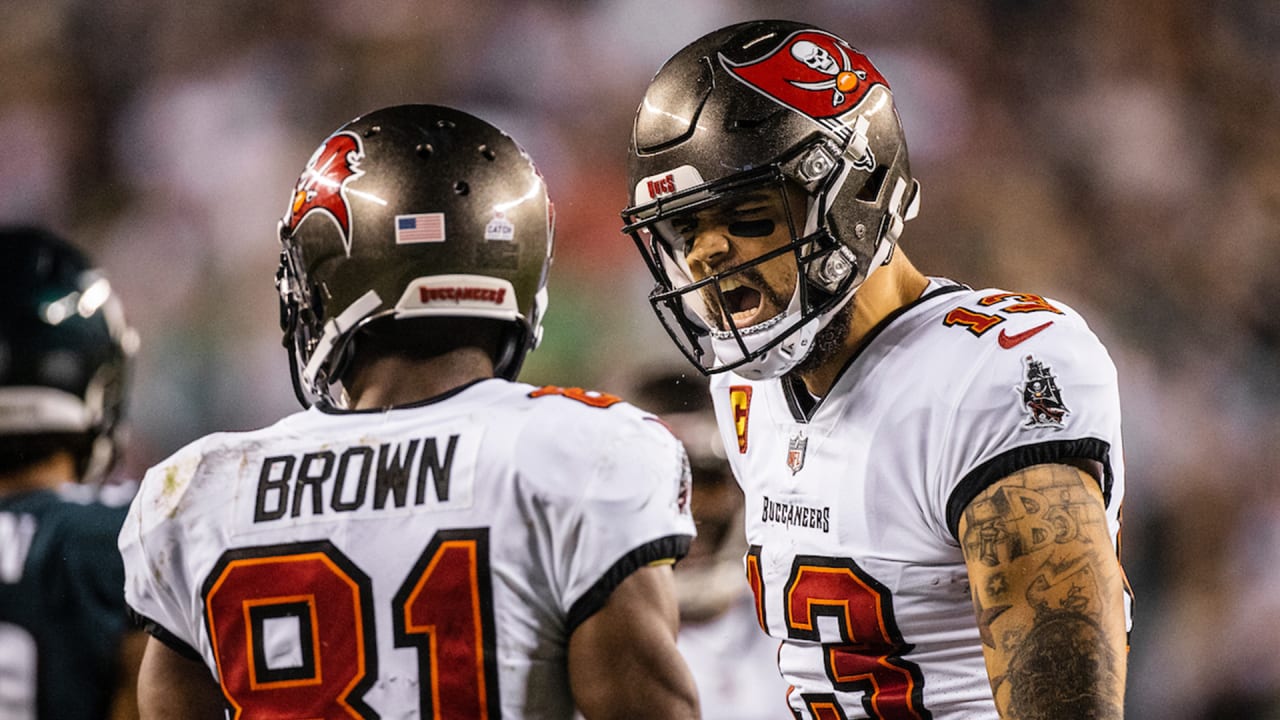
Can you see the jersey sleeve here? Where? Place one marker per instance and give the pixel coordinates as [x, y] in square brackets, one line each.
[1052, 397]
[155, 583]
[617, 487]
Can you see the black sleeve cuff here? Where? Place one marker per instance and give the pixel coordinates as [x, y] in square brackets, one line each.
[671, 547]
[157, 631]
[1020, 458]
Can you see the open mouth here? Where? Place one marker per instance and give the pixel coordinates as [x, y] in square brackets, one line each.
[742, 304]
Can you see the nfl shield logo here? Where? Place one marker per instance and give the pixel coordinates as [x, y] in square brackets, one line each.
[795, 452]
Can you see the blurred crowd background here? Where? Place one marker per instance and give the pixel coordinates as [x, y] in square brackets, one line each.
[1123, 157]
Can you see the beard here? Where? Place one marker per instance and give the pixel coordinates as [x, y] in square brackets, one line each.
[751, 277]
[829, 341]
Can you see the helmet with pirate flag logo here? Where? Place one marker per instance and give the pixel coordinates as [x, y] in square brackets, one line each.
[767, 106]
[413, 211]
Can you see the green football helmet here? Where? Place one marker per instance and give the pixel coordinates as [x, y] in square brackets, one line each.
[65, 352]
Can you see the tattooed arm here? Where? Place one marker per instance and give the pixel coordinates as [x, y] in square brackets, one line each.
[1048, 592]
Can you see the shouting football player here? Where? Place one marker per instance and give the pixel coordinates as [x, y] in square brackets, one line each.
[429, 538]
[68, 649]
[933, 474]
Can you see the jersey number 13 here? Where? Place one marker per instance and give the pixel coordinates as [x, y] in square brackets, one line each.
[868, 659]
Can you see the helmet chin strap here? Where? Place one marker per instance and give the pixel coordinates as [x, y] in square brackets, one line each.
[899, 215]
[101, 457]
[333, 331]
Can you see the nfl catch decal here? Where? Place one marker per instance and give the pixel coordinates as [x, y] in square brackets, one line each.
[322, 188]
[500, 228]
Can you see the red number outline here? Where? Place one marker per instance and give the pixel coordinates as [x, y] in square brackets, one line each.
[1026, 303]
[231, 619]
[240, 596]
[979, 323]
[870, 657]
[446, 688]
[756, 583]
[975, 322]
[586, 397]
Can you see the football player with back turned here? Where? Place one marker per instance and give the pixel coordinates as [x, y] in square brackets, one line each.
[933, 474]
[429, 538]
[68, 649]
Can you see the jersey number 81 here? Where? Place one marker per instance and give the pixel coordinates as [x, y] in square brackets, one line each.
[292, 628]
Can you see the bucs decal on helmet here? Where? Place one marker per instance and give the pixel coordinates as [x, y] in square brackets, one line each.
[1042, 397]
[812, 72]
[323, 185]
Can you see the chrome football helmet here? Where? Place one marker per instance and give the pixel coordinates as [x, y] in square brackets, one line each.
[771, 106]
[408, 212]
[65, 352]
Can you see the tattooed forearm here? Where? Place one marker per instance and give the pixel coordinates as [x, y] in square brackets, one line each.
[1063, 668]
[1047, 593]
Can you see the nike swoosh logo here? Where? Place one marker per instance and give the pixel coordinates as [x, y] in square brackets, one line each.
[1008, 341]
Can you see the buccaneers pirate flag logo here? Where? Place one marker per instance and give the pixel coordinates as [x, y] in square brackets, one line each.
[812, 72]
[1042, 397]
[323, 185]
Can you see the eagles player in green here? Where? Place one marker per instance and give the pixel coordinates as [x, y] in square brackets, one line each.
[67, 648]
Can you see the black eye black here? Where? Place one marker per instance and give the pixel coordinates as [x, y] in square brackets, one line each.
[751, 228]
[684, 226]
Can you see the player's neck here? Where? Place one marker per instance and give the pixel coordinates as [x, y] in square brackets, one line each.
[391, 380]
[889, 288]
[47, 474]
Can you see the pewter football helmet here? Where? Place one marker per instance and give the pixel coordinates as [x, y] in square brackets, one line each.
[408, 212]
[758, 105]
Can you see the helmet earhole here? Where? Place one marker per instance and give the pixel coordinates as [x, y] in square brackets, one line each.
[870, 190]
[424, 150]
[461, 188]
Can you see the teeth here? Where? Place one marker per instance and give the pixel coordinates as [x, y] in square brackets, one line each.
[729, 284]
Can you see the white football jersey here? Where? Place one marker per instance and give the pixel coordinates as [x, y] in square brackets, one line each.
[427, 561]
[853, 502]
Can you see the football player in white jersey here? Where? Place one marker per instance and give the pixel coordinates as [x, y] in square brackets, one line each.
[429, 538]
[933, 474]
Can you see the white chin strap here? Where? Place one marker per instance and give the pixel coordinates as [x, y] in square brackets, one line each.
[781, 358]
[334, 330]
